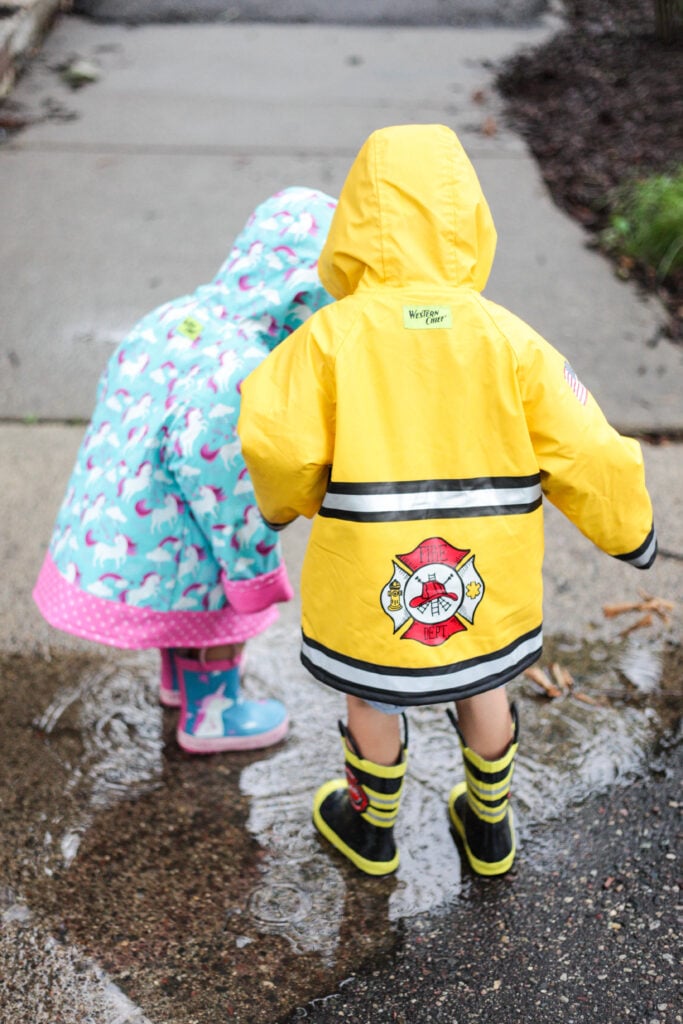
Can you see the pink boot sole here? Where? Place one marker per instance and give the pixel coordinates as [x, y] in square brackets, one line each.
[207, 745]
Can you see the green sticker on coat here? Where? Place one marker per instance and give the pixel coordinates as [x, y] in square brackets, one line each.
[190, 328]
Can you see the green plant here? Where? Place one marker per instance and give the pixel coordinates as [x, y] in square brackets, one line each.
[646, 223]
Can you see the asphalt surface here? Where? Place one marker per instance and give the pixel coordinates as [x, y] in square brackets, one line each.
[591, 934]
[140, 885]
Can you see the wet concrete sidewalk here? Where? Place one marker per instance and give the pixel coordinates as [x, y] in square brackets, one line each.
[140, 884]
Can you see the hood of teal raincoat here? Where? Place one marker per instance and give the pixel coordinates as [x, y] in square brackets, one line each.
[270, 276]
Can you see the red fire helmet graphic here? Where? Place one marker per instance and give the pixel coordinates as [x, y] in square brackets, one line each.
[436, 588]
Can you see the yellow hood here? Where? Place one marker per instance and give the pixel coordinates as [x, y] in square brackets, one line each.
[411, 210]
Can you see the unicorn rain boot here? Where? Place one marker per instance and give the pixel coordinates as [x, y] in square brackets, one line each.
[479, 807]
[214, 716]
[357, 814]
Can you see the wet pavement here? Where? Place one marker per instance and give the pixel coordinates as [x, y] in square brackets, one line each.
[140, 885]
[590, 934]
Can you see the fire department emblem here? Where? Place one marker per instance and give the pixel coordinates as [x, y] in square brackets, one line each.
[436, 588]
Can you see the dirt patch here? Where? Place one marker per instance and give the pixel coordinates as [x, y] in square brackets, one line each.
[602, 102]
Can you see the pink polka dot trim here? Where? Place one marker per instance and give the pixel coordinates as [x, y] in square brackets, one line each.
[72, 610]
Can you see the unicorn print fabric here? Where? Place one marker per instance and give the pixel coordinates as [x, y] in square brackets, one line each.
[158, 542]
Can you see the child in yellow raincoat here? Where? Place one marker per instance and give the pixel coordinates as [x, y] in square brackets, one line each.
[421, 425]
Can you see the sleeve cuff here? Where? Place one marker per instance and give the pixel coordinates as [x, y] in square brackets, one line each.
[644, 556]
[276, 527]
[254, 595]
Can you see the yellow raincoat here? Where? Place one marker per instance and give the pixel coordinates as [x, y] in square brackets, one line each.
[421, 424]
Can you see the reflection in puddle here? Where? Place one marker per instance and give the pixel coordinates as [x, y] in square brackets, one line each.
[570, 750]
[641, 666]
[305, 911]
[116, 715]
[105, 733]
[278, 904]
[70, 843]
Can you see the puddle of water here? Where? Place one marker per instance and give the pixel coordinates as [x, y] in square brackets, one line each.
[208, 871]
[570, 749]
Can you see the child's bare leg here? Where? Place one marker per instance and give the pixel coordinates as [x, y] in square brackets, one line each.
[223, 652]
[485, 723]
[376, 734]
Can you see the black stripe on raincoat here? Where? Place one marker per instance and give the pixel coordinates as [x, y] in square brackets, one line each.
[432, 499]
[429, 685]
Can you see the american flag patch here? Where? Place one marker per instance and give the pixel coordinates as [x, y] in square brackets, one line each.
[575, 384]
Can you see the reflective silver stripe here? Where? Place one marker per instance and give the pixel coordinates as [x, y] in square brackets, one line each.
[488, 792]
[646, 556]
[418, 500]
[383, 803]
[495, 814]
[376, 818]
[416, 682]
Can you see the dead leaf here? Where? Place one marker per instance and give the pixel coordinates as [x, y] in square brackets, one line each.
[13, 122]
[562, 676]
[611, 610]
[659, 605]
[538, 676]
[641, 623]
[586, 699]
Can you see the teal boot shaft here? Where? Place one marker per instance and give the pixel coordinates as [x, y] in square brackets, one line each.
[479, 808]
[357, 814]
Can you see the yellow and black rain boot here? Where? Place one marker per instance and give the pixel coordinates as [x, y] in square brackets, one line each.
[357, 814]
[479, 807]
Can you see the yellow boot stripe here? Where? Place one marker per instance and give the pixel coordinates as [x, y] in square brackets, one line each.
[384, 801]
[490, 814]
[491, 767]
[492, 792]
[380, 771]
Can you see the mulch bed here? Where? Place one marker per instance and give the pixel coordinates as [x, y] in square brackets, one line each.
[601, 102]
